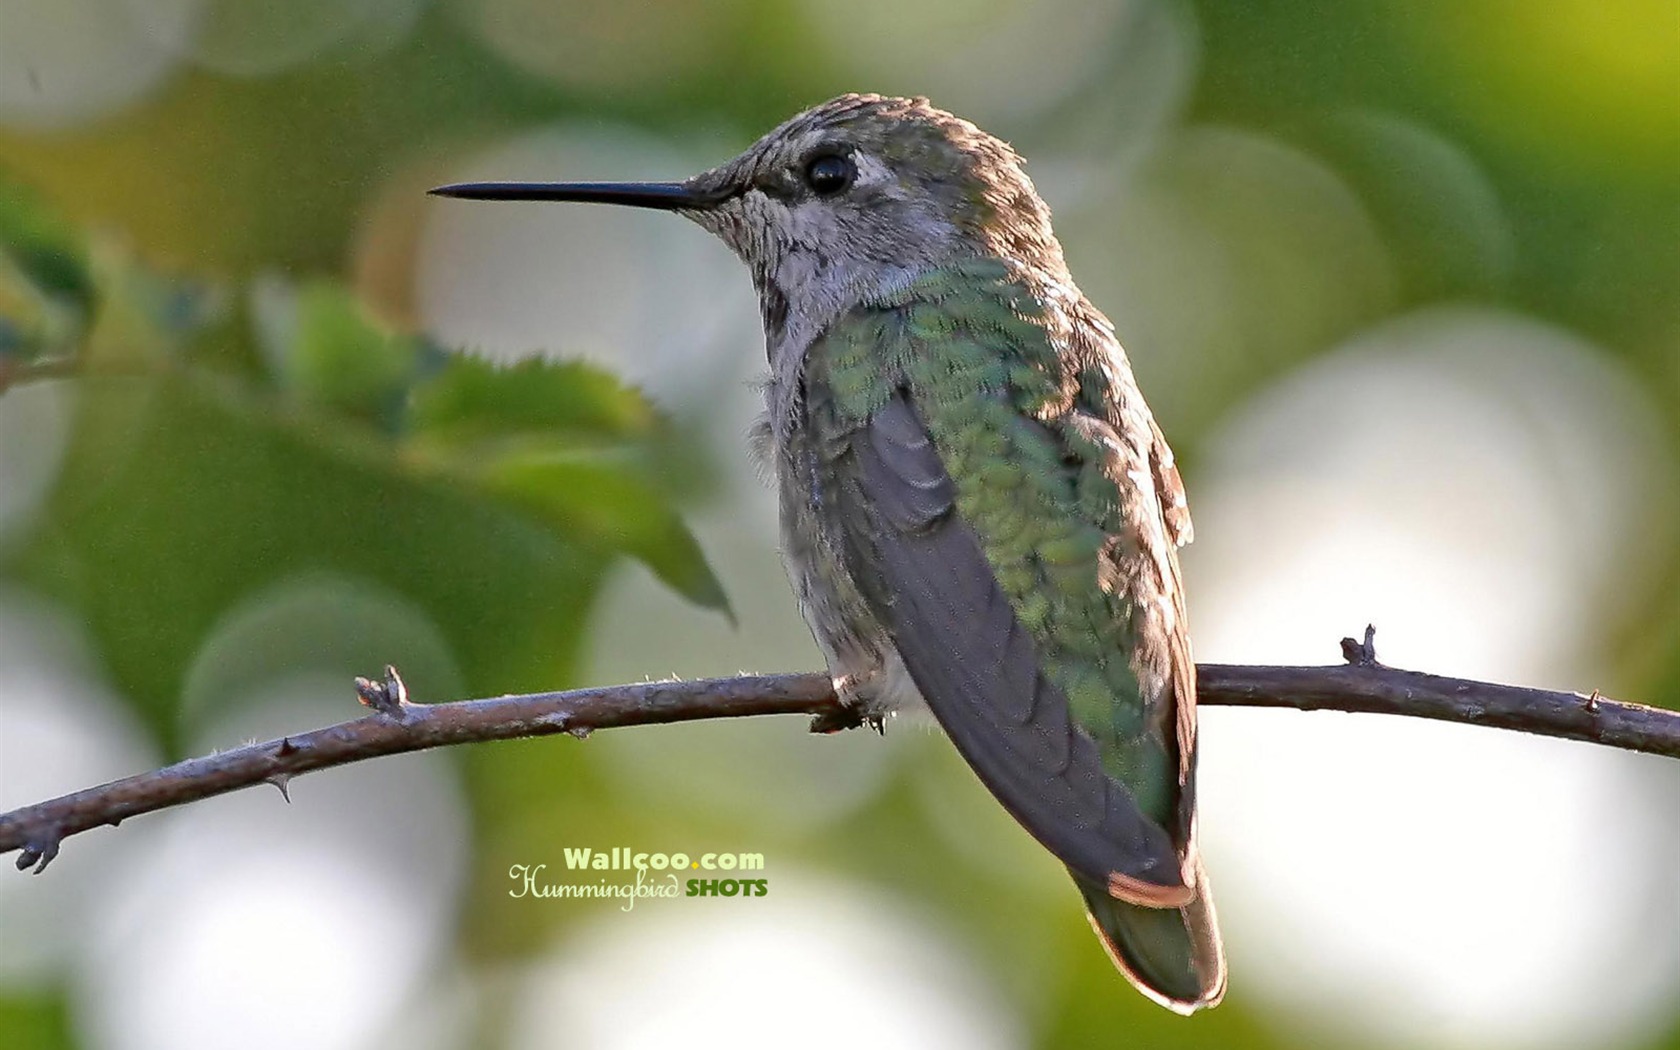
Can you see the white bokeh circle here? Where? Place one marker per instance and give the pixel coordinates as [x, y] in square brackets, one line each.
[67, 62]
[815, 965]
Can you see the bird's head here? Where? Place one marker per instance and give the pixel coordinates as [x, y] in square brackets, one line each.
[843, 202]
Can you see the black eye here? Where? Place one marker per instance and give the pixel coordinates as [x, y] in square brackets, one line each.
[829, 173]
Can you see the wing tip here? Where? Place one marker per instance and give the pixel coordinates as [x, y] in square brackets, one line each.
[1209, 997]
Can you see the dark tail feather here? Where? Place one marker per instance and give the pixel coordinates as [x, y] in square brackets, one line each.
[1172, 955]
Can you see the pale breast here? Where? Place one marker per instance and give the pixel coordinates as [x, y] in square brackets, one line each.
[857, 649]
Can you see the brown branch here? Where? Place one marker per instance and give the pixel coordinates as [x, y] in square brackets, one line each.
[395, 726]
[16, 373]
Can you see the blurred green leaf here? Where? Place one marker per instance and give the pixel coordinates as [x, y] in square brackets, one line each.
[46, 283]
[475, 399]
[601, 498]
[567, 443]
[48, 249]
[341, 358]
[35, 1020]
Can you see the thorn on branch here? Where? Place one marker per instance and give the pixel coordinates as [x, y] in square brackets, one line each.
[1361, 654]
[40, 850]
[280, 780]
[1592, 702]
[388, 696]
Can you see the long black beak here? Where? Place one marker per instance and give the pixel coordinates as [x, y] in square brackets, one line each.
[665, 196]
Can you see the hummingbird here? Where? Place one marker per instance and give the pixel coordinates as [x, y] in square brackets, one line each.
[979, 514]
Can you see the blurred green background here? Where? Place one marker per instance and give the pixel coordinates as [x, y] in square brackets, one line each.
[1402, 281]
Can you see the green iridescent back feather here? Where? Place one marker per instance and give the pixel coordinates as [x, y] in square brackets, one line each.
[974, 347]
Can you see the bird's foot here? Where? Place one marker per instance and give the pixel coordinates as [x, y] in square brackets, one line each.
[856, 708]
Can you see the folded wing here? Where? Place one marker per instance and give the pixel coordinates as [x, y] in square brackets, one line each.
[932, 587]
